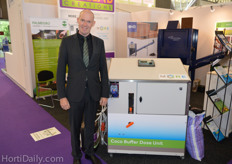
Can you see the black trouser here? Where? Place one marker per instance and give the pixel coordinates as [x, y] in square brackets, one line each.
[88, 107]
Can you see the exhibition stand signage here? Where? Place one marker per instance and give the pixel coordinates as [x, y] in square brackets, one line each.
[99, 5]
[46, 37]
[103, 14]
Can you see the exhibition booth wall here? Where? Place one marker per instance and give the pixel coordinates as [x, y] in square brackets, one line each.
[20, 62]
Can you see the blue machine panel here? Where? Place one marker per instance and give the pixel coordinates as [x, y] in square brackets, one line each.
[178, 43]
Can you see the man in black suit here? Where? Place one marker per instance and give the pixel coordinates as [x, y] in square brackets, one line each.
[85, 86]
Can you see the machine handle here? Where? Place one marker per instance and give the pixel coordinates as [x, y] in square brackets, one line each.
[140, 99]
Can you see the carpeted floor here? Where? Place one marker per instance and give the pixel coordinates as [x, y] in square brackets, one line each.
[2, 63]
[20, 116]
[215, 152]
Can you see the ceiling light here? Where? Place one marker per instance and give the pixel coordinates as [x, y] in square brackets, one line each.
[149, 5]
[171, 12]
[212, 9]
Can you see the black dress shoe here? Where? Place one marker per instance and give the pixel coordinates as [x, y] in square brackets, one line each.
[76, 161]
[93, 158]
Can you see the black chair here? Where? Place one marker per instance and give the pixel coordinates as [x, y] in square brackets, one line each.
[45, 82]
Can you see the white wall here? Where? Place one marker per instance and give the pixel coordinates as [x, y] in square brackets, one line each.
[121, 19]
[160, 16]
[20, 63]
[205, 22]
[16, 61]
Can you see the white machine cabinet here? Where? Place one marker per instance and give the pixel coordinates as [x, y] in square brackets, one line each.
[148, 107]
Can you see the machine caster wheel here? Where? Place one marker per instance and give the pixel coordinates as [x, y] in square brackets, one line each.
[111, 155]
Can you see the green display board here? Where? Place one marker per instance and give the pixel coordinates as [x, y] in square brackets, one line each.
[46, 37]
[4, 27]
[45, 58]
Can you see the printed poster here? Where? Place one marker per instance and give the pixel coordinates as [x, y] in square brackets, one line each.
[142, 39]
[46, 38]
[104, 17]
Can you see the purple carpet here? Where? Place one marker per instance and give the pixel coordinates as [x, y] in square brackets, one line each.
[2, 63]
[20, 116]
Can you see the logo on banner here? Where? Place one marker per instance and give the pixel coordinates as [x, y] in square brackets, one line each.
[132, 27]
[64, 23]
[103, 28]
[173, 38]
[172, 76]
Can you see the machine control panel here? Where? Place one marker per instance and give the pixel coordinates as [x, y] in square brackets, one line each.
[146, 63]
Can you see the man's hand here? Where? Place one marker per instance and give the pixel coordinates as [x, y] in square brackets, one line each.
[64, 103]
[103, 101]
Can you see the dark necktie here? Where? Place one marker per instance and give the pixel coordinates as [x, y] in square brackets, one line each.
[85, 52]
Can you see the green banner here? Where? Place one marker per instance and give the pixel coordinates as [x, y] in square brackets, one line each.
[46, 54]
[46, 39]
[45, 57]
[223, 24]
[146, 143]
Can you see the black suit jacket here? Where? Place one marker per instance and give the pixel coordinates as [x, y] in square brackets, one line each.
[96, 72]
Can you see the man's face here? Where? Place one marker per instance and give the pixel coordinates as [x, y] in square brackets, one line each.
[85, 22]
